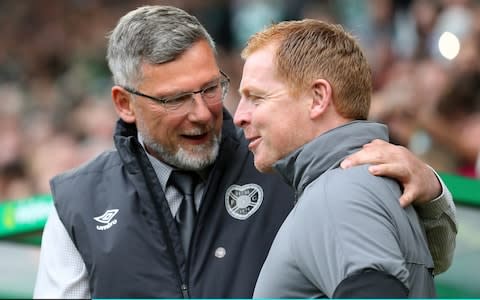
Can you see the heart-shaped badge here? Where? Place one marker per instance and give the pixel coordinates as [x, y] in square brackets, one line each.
[242, 201]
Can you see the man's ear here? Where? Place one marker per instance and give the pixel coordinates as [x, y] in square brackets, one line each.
[122, 100]
[321, 96]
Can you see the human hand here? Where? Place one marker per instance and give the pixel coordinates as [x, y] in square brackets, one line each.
[420, 184]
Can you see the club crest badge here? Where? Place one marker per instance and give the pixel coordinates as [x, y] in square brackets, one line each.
[243, 201]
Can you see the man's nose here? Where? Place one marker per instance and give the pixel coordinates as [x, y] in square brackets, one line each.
[199, 110]
[242, 114]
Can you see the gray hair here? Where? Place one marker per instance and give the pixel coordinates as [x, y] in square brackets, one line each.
[153, 35]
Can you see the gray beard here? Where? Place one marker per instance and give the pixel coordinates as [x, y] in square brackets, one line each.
[183, 159]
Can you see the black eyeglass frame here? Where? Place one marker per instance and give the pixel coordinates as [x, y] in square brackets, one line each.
[170, 99]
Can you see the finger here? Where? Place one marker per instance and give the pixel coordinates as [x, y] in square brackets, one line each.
[355, 159]
[393, 170]
[366, 146]
[346, 163]
[379, 142]
[407, 197]
[364, 156]
[350, 161]
[376, 152]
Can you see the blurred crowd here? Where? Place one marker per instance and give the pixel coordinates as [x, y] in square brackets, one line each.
[56, 111]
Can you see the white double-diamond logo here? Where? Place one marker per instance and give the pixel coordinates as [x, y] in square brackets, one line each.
[106, 219]
[243, 201]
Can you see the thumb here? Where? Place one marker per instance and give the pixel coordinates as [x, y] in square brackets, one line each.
[407, 197]
[346, 163]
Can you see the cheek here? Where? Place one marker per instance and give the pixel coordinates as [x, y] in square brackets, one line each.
[275, 132]
[280, 139]
[217, 112]
[163, 127]
[149, 114]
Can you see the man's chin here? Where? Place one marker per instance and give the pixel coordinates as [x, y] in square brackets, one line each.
[195, 160]
[263, 167]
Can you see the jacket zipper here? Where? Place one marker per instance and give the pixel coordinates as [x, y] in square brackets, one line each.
[185, 291]
[183, 287]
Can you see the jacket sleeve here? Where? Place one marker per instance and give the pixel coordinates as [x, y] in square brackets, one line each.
[439, 221]
[365, 283]
[61, 271]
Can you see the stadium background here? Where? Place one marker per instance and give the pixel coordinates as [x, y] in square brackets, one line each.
[56, 112]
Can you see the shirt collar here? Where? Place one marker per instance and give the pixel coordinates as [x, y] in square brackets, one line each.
[162, 170]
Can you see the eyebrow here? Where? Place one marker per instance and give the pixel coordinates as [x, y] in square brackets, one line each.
[244, 90]
[251, 91]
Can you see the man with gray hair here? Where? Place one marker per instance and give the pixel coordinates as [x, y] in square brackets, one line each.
[178, 209]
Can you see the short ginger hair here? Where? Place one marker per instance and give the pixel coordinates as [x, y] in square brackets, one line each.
[312, 49]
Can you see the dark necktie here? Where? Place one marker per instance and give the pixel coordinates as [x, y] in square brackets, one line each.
[185, 217]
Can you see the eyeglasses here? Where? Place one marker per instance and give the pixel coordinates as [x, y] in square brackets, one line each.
[211, 94]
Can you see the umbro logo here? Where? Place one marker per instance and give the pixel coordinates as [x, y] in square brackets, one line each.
[106, 219]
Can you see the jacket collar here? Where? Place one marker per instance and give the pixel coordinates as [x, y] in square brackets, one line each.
[326, 151]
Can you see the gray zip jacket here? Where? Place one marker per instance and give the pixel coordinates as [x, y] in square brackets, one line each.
[344, 222]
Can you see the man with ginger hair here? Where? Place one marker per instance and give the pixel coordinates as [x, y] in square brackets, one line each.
[305, 96]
